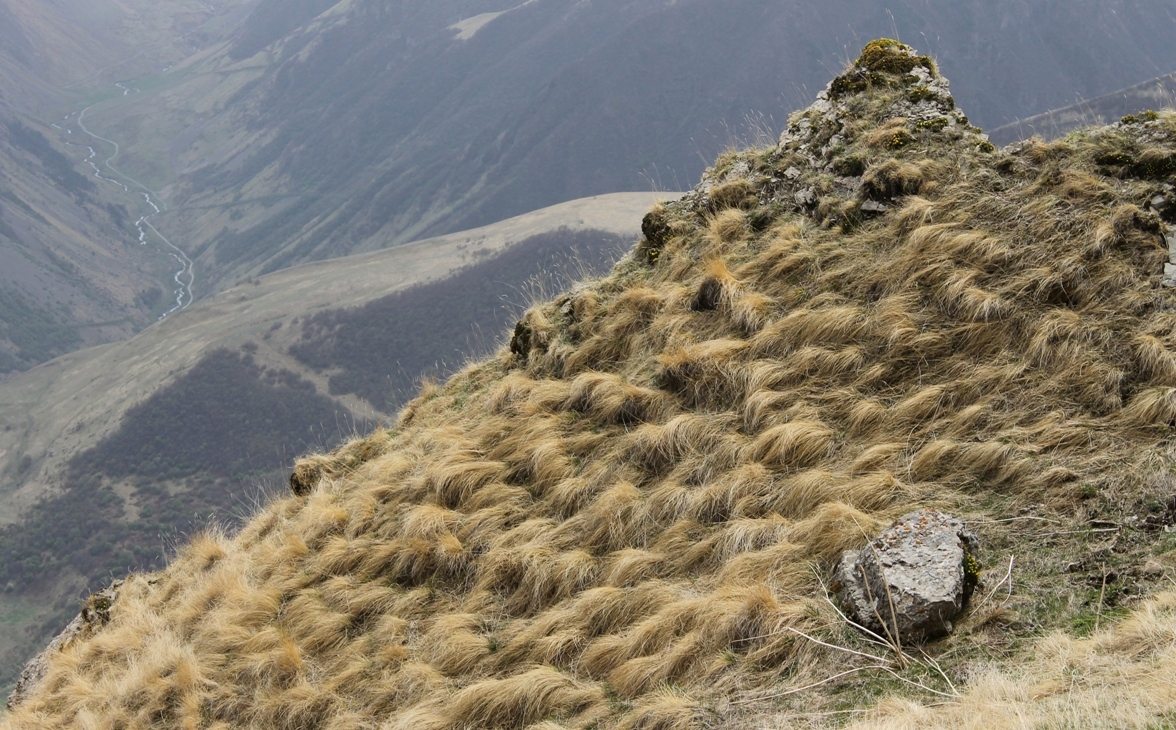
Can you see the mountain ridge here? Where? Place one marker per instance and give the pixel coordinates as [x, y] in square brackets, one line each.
[1157, 93]
[298, 290]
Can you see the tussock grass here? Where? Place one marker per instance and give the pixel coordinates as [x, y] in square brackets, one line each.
[625, 518]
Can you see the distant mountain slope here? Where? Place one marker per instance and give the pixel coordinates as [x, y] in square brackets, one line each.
[71, 271]
[1158, 93]
[84, 43]
[105, 450]
[55, 55]
[284, 132]
[375, 123]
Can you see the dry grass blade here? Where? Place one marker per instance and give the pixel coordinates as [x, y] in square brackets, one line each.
[1007, 578]
[1102, 592]
[807, 687]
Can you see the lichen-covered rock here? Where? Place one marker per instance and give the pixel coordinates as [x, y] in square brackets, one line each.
[924, 565]
[919, 103]
[520, 341]
[862, 144]
[1163, 202]
[94, 615]
[654, 228]
[310, 470]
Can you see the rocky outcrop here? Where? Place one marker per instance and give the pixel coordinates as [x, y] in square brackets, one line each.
[310, 470]
[923, 567]
[94, 615]
[826, 164]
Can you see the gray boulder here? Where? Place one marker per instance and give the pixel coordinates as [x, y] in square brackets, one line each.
[94, 615]
[924, 565]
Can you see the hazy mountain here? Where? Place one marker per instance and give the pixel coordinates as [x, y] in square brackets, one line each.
[52, 52]
[325, 129]
[72, 270]
[274, 133]
[68, 273]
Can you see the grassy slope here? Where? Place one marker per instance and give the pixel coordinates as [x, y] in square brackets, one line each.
[624, 519]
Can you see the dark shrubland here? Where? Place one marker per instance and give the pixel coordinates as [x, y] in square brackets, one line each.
[36, 334]
[226, 417]
[195, 451]
[58, 167]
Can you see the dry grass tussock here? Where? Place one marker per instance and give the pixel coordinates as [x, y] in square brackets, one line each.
[623, 519]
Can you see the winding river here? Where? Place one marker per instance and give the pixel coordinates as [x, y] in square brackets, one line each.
[185, 276]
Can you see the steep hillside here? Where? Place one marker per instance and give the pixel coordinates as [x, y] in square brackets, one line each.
[628, 517]
[371, 123]
[1158, 93]
[109, 454]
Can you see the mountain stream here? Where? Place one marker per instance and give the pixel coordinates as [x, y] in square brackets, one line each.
[185, 276]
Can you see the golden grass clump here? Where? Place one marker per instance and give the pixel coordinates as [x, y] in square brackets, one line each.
[625, 519]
